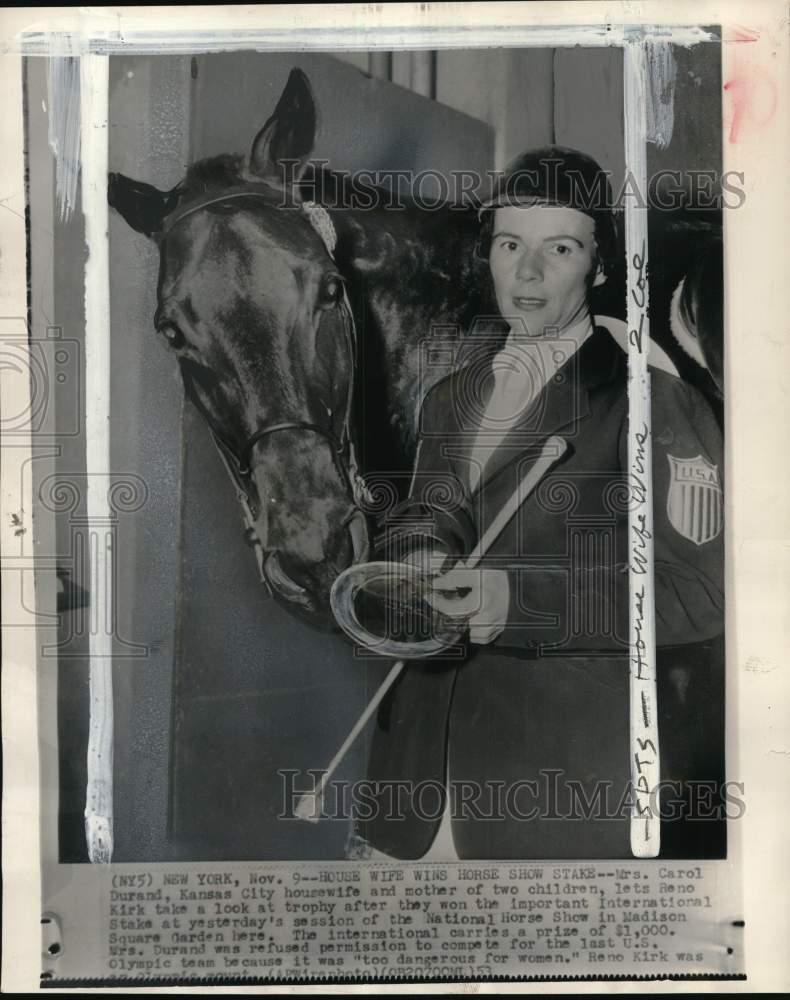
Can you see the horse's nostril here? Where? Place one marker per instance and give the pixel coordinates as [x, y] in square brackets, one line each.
[284, 584]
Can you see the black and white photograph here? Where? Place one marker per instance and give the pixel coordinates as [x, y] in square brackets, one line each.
[380, 474]
[326, 375]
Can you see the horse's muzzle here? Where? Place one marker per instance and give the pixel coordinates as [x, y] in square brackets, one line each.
[308, 588]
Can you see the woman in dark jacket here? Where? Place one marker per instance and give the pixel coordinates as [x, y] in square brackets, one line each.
[530, 730]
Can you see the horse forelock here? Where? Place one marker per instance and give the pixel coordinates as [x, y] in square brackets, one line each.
[214, 175]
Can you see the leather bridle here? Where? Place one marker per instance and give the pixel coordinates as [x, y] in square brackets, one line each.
[238, 463]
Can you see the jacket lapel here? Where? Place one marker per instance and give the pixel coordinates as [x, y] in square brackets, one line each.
[560, 408]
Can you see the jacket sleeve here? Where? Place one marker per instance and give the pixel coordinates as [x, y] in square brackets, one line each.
[687, 537]
[436, 513]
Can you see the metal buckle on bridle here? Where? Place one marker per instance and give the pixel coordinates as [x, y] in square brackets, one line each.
[321, 221]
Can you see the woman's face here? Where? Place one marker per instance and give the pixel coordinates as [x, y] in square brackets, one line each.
[541, 258]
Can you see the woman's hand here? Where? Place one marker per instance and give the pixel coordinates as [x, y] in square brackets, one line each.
[482, 596]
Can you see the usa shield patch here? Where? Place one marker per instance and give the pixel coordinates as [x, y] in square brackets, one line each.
[695, 502]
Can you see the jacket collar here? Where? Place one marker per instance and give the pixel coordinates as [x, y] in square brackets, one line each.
[561, 405]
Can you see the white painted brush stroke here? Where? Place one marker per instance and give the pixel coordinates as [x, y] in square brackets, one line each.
[63, 97]
[643, 722]
[660, 94]
[111, 34]
[94, 80]
[657, 357]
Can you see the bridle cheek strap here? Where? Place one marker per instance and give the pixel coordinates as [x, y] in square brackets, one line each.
[239, 466]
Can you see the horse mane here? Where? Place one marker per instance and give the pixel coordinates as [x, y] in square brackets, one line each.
[337, 187]
[214, 173]
[408, 242]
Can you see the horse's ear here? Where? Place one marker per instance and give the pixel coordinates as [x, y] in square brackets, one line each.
[281, 149]
[143, 206]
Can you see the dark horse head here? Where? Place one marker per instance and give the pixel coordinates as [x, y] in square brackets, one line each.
[254, 310]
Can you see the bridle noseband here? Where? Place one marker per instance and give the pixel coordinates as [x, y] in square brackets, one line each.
[286, 425]
[239, 464]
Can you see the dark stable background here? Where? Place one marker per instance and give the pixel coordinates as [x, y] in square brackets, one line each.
[232, 688]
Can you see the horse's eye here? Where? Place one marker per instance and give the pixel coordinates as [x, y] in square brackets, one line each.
[172, 335]
[332, 291]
